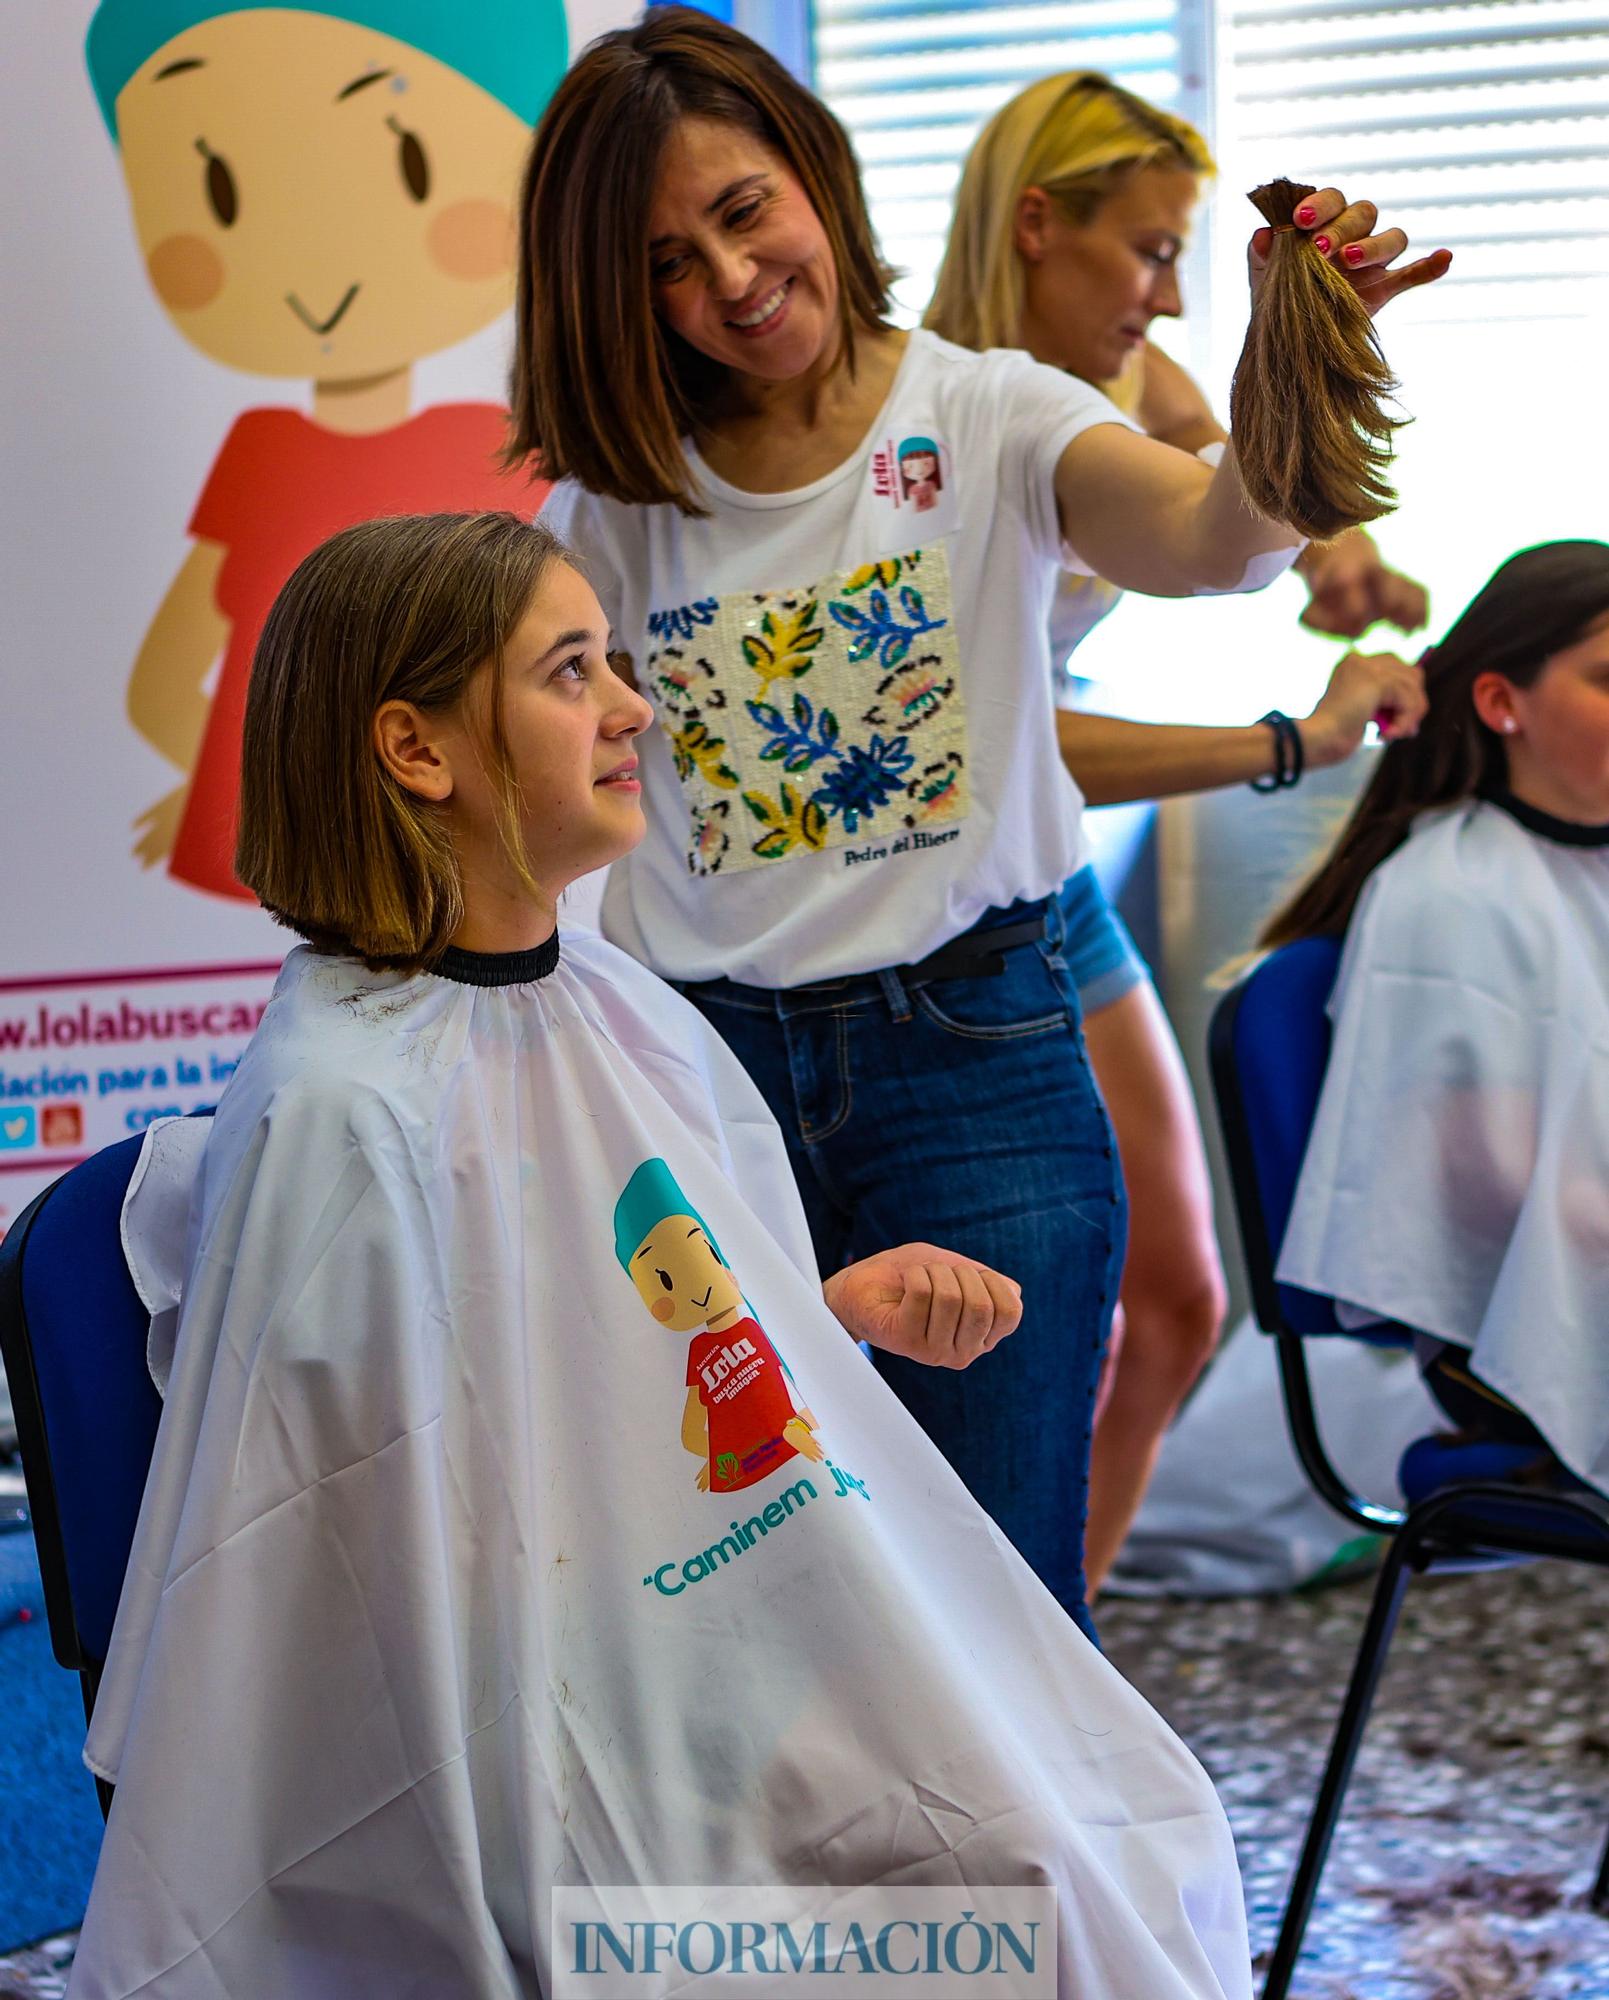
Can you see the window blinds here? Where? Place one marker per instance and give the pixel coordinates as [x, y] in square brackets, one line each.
[1482, 127]
[914, 79]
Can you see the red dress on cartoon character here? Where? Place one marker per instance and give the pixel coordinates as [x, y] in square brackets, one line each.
[328, 199]
[743, 1388]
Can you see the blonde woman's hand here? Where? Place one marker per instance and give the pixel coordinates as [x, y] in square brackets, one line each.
[1348, 233]
[1365, 687]
[1350, 588]
[928, 1304]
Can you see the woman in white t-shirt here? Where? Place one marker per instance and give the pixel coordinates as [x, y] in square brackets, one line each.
[1072, 211]
[858, 821]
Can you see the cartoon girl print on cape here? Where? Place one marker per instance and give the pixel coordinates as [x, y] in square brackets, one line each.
[742, 1419]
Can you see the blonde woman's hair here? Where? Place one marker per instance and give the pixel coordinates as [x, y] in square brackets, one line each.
[407, 609]
[1078, 136]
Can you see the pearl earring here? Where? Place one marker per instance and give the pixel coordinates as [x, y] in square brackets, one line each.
[1509, 725]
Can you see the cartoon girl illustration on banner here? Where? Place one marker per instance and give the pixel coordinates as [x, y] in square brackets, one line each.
[742, 1418]
[322, 190]
[919, 470]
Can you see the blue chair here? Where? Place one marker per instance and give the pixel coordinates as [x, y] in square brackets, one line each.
[1269, 1044]
[73, 1336]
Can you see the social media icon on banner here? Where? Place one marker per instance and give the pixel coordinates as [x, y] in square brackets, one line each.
[17, 1129]
[62, 1125]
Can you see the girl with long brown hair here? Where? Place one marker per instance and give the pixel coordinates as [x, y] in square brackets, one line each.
[1072, 213]
[858, 822]
[1457, 1178]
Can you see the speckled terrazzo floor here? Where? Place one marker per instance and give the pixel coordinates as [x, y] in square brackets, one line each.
[1481, 1795]
[1479, 1804]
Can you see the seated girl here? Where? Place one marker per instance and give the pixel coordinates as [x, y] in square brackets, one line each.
[1457, 1177]
[522, 1517]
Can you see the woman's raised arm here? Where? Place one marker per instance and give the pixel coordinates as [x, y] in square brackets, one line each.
[1149, 517]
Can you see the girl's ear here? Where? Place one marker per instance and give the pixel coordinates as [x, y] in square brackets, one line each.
[407, 747]
[1031, 224]
[1493, 698]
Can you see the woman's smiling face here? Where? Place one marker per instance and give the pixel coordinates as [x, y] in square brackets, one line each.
[740, 264]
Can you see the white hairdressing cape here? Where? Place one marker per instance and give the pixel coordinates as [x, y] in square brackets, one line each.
[1457, 1177]
[460, 1575]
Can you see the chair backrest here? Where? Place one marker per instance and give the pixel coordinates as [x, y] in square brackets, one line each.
[73, 1332]
[1269, 1044]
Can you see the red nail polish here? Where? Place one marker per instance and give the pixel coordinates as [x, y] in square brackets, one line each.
[1353, 253]
[1304, 215]
[1322, 244]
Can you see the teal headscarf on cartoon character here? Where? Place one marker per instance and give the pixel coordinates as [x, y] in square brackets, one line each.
[652, 1193]
[516, 50]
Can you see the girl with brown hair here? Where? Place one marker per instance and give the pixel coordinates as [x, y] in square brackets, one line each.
[858, 822]
[425, 1584]
[1455, 1180]
[1073, 209]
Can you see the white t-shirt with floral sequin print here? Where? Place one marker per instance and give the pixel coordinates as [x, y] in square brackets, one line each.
[856, 746]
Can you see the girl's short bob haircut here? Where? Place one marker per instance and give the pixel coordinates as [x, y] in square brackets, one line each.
[600, 390]
[408, 609]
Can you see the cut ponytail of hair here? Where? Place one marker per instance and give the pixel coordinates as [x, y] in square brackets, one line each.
[1312, 437]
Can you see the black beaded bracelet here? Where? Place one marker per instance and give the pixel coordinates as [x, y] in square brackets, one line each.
[1290, 756]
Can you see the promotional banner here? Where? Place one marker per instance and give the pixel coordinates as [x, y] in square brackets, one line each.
[258, 269]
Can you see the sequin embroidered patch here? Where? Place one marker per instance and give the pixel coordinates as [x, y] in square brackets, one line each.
[801, 720]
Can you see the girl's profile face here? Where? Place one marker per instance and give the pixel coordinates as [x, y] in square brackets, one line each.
[740, 265]
[569, 722]
[1558, 753]
[919, 467]
[1091, 289]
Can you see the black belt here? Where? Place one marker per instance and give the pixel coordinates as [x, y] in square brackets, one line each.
[974, 954]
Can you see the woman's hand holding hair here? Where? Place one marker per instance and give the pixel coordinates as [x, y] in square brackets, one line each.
[1309, 408]
[1310, 444]
[1350, 588]
[1364, 688]
[928, 1304]
[1346, 233]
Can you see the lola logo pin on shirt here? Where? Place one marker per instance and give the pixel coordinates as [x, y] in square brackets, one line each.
[913, 478]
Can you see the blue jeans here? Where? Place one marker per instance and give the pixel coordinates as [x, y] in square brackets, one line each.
[963, 1112]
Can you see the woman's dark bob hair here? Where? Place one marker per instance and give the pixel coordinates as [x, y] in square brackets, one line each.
[601, 391]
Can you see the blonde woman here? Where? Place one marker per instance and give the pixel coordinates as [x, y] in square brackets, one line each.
[1073, 208]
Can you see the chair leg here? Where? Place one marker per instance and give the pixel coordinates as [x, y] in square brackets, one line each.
[1599, 1899]
[1366, 1669]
